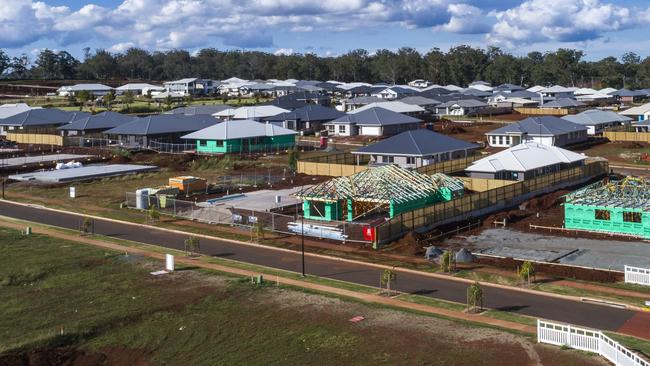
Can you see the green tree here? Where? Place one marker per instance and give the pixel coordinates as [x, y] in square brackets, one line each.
[128, 99]
[83, 97]
[293, 159]
[108, 99]
[192, 245]
[474, 297]
[526, 270]
[447, 261]
[387, 277]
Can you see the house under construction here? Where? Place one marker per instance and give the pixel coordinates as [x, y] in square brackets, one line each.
[621, 206]
[379, 190]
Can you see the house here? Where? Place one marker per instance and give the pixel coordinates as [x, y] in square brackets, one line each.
[36, 122]
[394, 92]
[95, 124]
[639, 113]
[629, 96]
[140, 89]
[93, 89]
[460, 107]
[351, 104]
[416, 148]
[426, 103]
[419, 83]
[547, 130]
[375, 121]
[190, 86]
[563, 103]
[256, 113]
[556, 92]
[394, 106]
[525, 161]
[309, 118]
[243, 136]
[193, 110]
[159, 128]
[8, 110]
[597, 120]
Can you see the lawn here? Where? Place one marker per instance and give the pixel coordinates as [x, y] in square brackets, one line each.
[68, 303]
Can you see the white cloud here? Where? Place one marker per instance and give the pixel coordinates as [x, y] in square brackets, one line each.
[561, 20]
[284, 51]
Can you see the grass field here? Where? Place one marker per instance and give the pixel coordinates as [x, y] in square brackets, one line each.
[66, 303]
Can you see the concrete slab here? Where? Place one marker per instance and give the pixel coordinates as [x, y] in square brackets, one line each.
[83, 173]
[592, 253]
[51, 158]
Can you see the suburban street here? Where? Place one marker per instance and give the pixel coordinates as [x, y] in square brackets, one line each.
[584, 314]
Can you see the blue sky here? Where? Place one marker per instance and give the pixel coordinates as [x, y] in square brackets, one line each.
[599, 27]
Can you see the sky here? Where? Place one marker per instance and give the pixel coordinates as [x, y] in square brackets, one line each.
[328, 27]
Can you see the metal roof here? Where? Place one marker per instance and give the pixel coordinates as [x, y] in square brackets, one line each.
[101, 121]
[524, 157]
[394, 106]
[594, 117]
[42, 117]
[200, 109]
[161, 124]
[563, 103]
[310, 112]
[375, 116]
[539, 126]
[421, 142]
[238, 129]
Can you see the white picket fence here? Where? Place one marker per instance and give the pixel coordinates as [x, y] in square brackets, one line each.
[636, 275]
[587, 340]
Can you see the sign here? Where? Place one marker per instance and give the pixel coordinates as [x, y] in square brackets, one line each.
[369, 233]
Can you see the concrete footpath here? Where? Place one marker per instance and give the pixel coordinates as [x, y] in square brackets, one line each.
[194, 262]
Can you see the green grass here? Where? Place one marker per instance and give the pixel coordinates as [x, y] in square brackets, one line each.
[62, 294]
[631, 343]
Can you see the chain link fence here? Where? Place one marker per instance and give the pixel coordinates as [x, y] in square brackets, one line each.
[224, 214]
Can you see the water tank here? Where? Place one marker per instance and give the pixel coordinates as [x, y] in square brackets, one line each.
[142, 199]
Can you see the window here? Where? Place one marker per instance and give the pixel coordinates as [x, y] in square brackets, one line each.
[632, 217]
[603, 215]
[341, 129]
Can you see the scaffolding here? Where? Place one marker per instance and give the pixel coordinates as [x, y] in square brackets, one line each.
[616, 206]
[388, 188]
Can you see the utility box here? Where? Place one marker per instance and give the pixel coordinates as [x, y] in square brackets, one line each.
[189, 184]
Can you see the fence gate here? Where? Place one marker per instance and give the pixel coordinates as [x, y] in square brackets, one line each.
[636, 275]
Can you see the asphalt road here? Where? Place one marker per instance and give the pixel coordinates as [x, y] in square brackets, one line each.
[567, 311]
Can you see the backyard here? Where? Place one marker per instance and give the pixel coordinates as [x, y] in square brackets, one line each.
[67, 303]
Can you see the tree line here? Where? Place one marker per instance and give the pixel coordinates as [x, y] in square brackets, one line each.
[460, 66]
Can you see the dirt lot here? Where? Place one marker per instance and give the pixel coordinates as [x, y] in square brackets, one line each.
[85, 306]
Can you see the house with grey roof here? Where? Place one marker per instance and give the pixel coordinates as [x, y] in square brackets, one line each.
[525, 161]
[242, 136]
[92, 88]
[416, 148]
[547, 130]
[597, 120]
[460, 107]
[161, 128]
[190, 86]
[309, 118]
[374, 121]
[38, 121]
[95, 124]
[193, 110]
